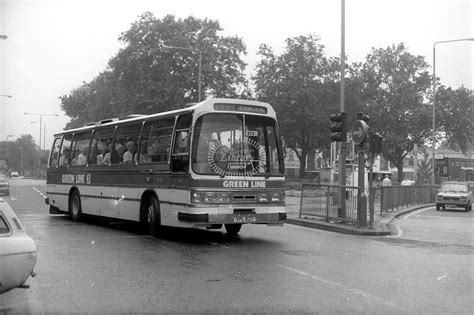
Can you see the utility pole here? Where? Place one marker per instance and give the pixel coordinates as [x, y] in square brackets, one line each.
[342, 156]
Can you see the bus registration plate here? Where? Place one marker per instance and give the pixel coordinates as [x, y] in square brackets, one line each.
[244, 218]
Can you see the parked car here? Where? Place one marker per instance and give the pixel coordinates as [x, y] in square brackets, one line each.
[455, 195]
[14, 174]
[407, 182]
[4, 185]
[17, 251]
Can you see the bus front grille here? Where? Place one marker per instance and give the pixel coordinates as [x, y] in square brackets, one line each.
[241, 198]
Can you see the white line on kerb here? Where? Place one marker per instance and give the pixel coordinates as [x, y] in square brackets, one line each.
[403, 217]
[342, 286]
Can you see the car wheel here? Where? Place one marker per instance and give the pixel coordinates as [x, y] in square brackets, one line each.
[153, 219]
[232, 229]
[75, 208]
[438, 207]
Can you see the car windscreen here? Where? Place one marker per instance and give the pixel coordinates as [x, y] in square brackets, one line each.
[454, 188]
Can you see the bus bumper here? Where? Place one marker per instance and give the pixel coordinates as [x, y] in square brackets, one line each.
[257, 218]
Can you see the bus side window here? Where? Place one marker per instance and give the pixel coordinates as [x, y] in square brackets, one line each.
[65, 156]
[156, 141]
[102, 143]
[55, 153]
[126, 140]
[180, 155]
[80, 148]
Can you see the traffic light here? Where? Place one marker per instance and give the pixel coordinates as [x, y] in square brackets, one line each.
[362, 116]
[376, 141]
[338, 127]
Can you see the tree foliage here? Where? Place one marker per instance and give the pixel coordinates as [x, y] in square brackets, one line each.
[455, 117]
[21, 154]
[301, 84]
[396, 88]
[146, 77]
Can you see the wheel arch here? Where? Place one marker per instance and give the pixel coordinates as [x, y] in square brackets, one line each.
[71, 190]
[143, 202]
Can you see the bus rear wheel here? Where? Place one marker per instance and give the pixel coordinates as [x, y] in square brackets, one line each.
[75, 208]
[153, 216]
[232, 229]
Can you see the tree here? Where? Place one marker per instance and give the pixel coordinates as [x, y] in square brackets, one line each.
[396, 89]
[455, 112]
[21, 151]
[145, 77]
[301, 84]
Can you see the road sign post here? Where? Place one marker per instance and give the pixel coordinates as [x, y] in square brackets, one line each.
[360, 131]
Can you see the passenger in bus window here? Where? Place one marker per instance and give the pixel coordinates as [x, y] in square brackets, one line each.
[82, 156]
[74, 158]
[153, 153]
[106, 159]
[128, 156]
[117, 154]
[64, 158]
[102, 148]
[144, 158]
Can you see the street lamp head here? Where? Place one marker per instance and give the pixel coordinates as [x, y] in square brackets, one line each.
[6, 95]
[3, 36]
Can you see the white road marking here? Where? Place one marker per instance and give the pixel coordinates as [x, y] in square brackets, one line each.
[342, 286]
[39, 192]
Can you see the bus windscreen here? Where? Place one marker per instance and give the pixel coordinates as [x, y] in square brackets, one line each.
[227, 144]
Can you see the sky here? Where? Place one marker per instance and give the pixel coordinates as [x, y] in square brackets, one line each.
[53, 46]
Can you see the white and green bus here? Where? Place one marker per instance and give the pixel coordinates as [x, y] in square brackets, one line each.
[216, 163]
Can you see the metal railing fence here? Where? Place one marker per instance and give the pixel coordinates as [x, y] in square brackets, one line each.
[394, 197]
[324, 201]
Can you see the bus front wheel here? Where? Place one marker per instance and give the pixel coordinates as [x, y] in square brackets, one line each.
[75, 209]
[153, 216]
[232, 229]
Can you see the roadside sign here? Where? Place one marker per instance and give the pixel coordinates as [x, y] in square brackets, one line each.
[360, 131]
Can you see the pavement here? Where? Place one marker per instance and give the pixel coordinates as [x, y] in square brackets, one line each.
[380, 225]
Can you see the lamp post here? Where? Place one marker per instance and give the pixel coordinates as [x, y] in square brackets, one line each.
[200, 66]
[41, 122]
[434, 97]
[44, 131]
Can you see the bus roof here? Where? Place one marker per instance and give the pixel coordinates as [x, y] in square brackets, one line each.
[209, 105]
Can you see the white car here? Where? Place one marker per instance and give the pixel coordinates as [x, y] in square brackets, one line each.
[454, 195]
[17, 251]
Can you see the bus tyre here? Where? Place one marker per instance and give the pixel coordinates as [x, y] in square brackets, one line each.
[75, 209]
[232, 229]
[153, 216]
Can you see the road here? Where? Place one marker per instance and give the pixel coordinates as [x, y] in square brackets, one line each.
[101, 267]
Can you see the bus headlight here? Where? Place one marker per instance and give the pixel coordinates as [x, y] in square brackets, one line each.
[277, 197]
[210, 197]
[263, 197]
[274, 196]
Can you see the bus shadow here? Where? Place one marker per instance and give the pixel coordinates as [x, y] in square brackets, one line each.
[172, 234]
